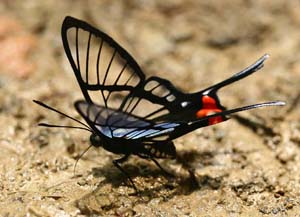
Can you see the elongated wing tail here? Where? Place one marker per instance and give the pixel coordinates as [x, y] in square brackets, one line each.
[208, 100]
[167, 131]
[206, 121]
[238, 76]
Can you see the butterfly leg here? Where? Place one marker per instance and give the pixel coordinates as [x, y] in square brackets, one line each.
[162, 169]
[117, 163]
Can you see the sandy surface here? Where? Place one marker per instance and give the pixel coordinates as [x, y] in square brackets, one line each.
[248, 166]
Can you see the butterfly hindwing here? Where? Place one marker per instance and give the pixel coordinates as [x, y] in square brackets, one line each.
[191, 111]
[158, 95]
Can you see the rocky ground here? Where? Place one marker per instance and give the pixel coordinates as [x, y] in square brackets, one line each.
[247, 166]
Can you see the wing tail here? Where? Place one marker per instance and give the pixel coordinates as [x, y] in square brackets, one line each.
[222, 116]
[210, 102]
[238, 76]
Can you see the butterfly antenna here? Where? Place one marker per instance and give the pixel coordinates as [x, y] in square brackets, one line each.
[238, 76]
[63, 126]
[63, 114]
[80, 156]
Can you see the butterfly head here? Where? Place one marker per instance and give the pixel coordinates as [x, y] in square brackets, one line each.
[95, 140]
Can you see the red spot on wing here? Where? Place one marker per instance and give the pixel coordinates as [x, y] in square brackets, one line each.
[209, 107]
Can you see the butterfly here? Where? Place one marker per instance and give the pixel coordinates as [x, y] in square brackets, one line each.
[127, 113]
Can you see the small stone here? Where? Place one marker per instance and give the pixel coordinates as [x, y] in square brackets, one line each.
[279, 193]
[286, 153]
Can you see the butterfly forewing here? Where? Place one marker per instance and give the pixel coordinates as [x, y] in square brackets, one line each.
[105, 71]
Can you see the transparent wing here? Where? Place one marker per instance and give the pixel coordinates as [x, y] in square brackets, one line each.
[156, 98]
[103, 68]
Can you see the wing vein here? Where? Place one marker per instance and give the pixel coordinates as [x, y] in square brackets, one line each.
[87, 59]
[130, 77]
[133, 107]
[108, 67]
[154, 112]
[98, 61]
[77, 50]
[120, 74]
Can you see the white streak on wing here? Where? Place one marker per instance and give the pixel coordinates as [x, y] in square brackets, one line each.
[161, 132]
[133, 134]
[166, 125]
[141, 133]
[157, 129]
[104, 130]
[115, 132]
[120, 132]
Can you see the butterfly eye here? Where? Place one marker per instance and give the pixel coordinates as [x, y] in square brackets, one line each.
[95, 140]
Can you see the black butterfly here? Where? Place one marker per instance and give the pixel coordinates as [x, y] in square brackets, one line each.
[128, 114]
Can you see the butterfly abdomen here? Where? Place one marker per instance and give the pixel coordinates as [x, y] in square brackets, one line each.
[161, 150]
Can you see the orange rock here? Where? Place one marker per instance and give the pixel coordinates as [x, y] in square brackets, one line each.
[16, 45]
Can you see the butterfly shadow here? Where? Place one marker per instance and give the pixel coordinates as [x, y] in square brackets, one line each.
[153, 182]
[144, 174]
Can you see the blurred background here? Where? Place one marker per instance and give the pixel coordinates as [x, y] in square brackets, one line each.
[247, 166]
